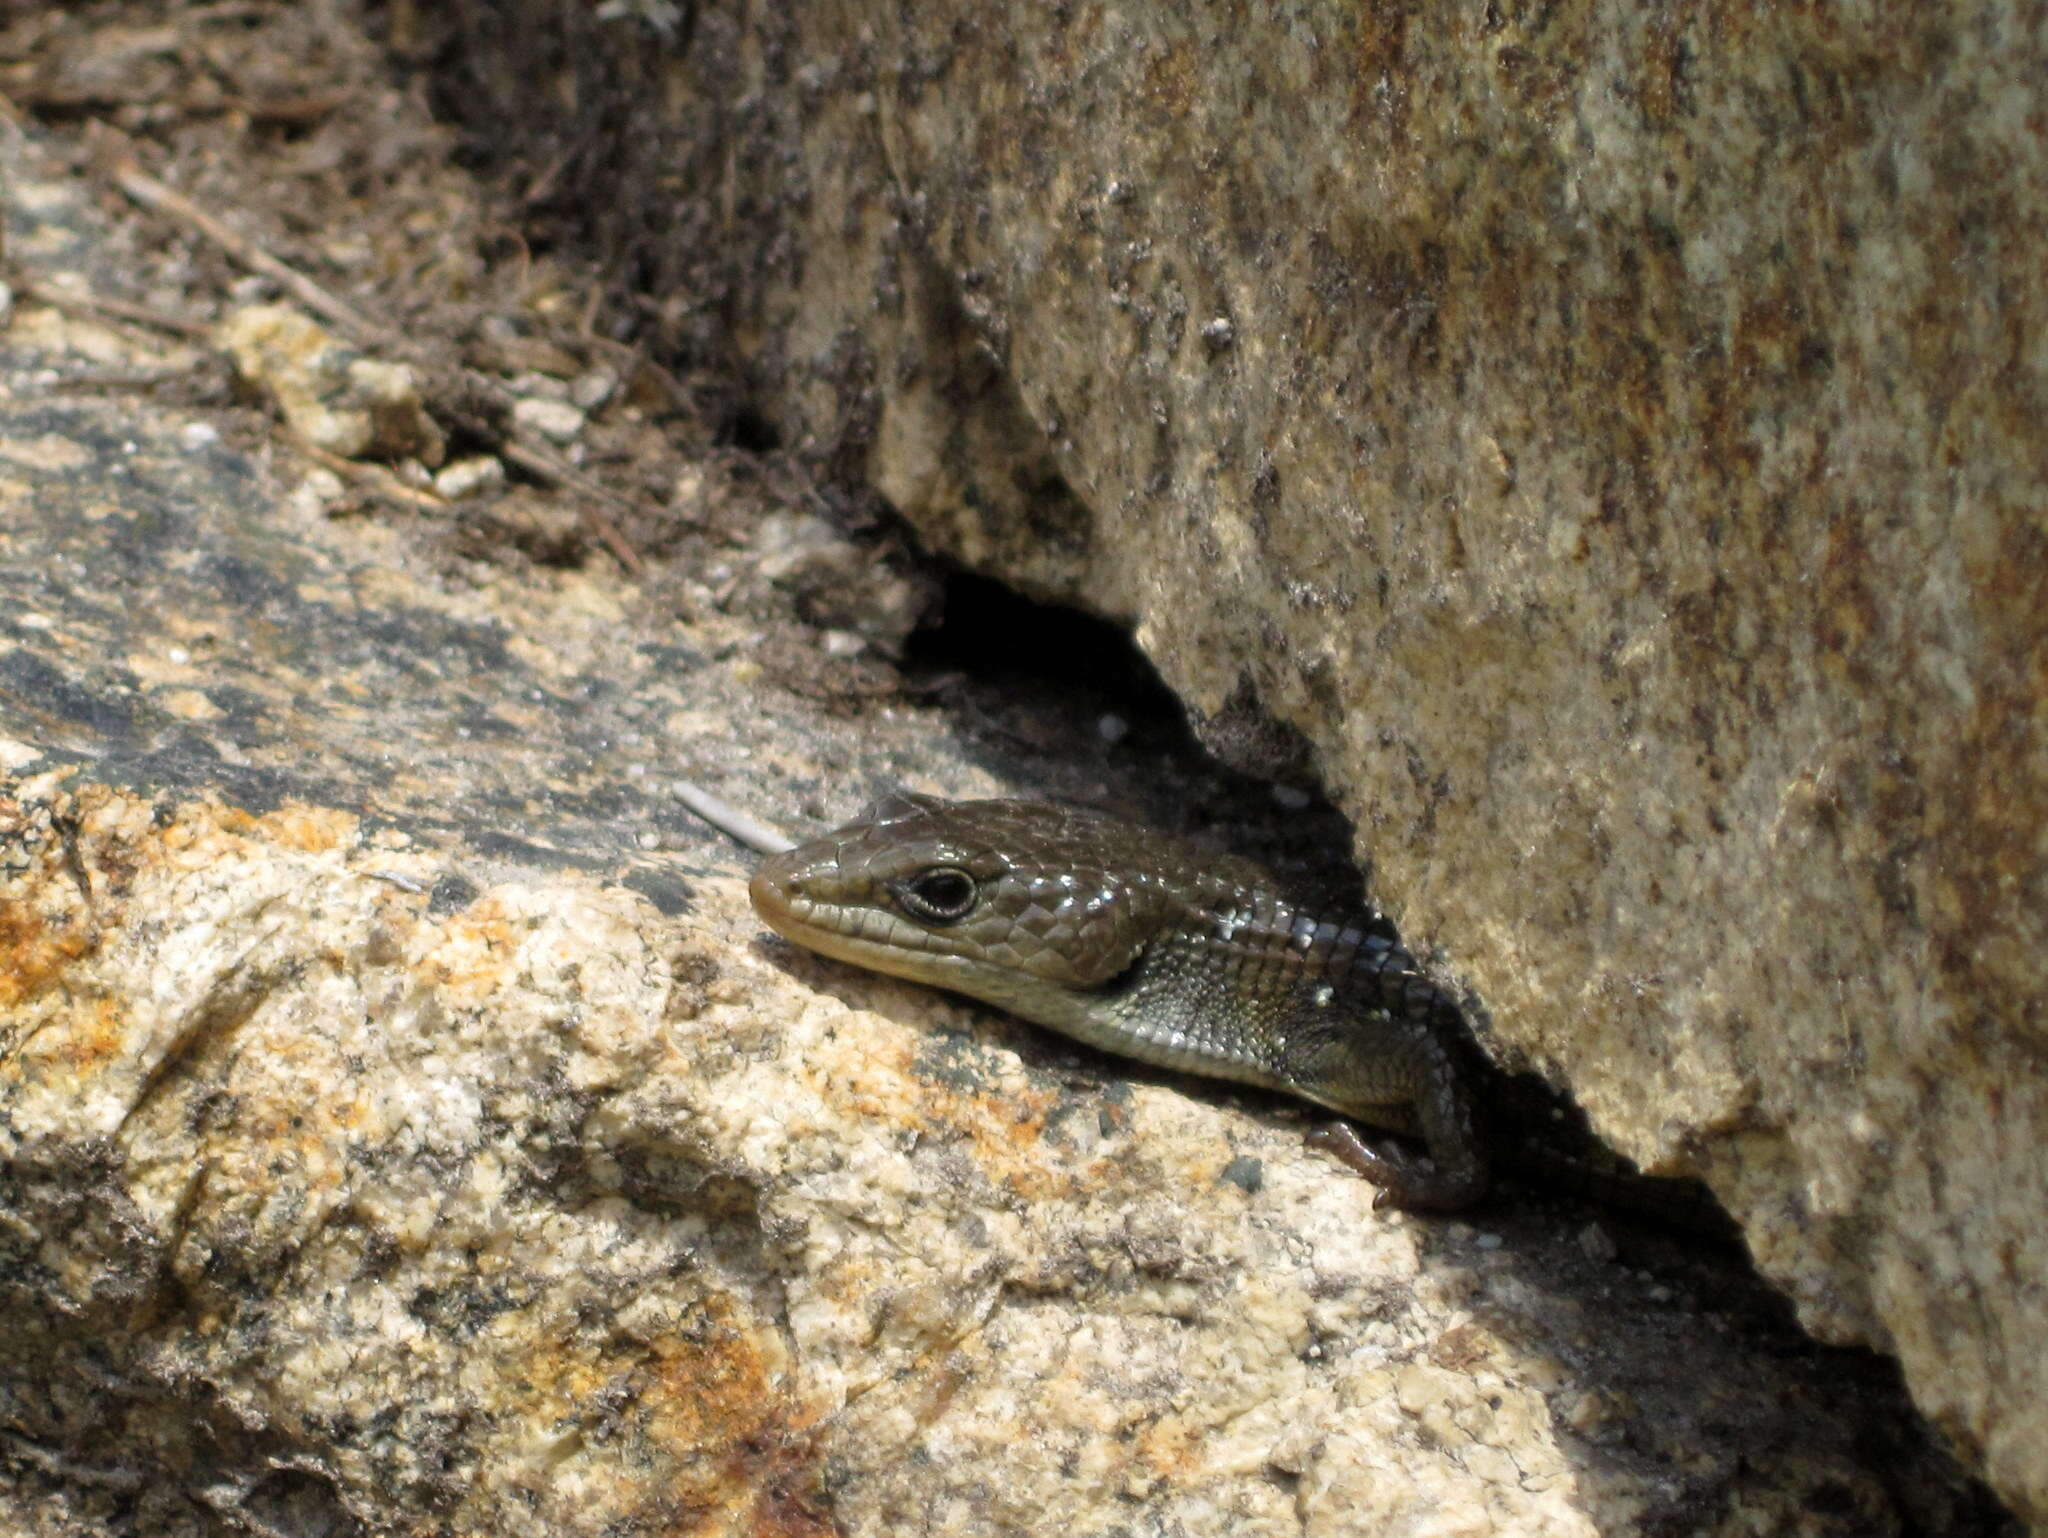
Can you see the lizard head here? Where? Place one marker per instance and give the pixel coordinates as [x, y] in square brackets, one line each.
[1017, 903]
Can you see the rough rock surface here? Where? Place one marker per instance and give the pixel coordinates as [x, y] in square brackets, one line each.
[1612, 437]
[328, 1190]
[404, 1127]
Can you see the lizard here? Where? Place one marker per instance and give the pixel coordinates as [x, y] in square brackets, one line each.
[1152, 948]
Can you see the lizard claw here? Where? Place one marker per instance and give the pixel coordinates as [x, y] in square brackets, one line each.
[1405, 1183]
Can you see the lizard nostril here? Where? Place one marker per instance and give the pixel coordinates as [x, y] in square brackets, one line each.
[777, 880]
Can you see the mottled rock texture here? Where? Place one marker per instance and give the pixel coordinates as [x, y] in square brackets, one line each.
[1611, 434]
[404, 1128]
[540, 1210]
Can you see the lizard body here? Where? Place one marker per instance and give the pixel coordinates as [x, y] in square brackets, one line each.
[1150, 948]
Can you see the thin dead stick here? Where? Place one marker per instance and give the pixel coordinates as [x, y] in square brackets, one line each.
[735, 824]
[228, 10]
[120, 379]
[72, 302]
[545, 465]
[377, 480]
[158, 196]
[146, 190]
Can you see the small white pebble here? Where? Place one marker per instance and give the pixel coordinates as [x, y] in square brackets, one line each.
[319, 490]
[194, 436]
[1488, 1241]
[591, 390]
[470, 477]
[659, 15]
[541, 387]
[178, 656]
[1289, 798]
[843, 643]
[1113, 728]
[551, 419]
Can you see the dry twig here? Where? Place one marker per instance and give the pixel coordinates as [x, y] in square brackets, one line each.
[146, 190]
[73, 302]
[729, 820]
[541, 463]
[378, 481]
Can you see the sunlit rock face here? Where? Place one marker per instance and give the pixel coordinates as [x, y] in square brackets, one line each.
[1610, 437]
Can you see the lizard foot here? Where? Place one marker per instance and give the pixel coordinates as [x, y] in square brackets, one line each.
[1406, 1183]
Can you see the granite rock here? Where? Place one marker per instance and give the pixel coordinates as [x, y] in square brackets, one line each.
[461, 1209]
[330, 395]
[406, 1128]
[1610, 437]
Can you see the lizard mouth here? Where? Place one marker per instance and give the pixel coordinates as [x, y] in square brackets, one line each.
[866, 936]
[769, 891]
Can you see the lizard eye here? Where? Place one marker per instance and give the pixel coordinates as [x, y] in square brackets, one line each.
[941, 895]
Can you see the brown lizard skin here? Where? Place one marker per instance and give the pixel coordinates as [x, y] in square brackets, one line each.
[1154, 949]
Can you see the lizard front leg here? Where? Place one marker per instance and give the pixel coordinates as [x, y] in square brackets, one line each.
[1358, 1070]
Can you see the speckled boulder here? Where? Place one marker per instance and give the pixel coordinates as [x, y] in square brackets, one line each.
[406, 1127]
[1612, 436]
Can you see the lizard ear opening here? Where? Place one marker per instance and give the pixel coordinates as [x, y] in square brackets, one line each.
[899, 804]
